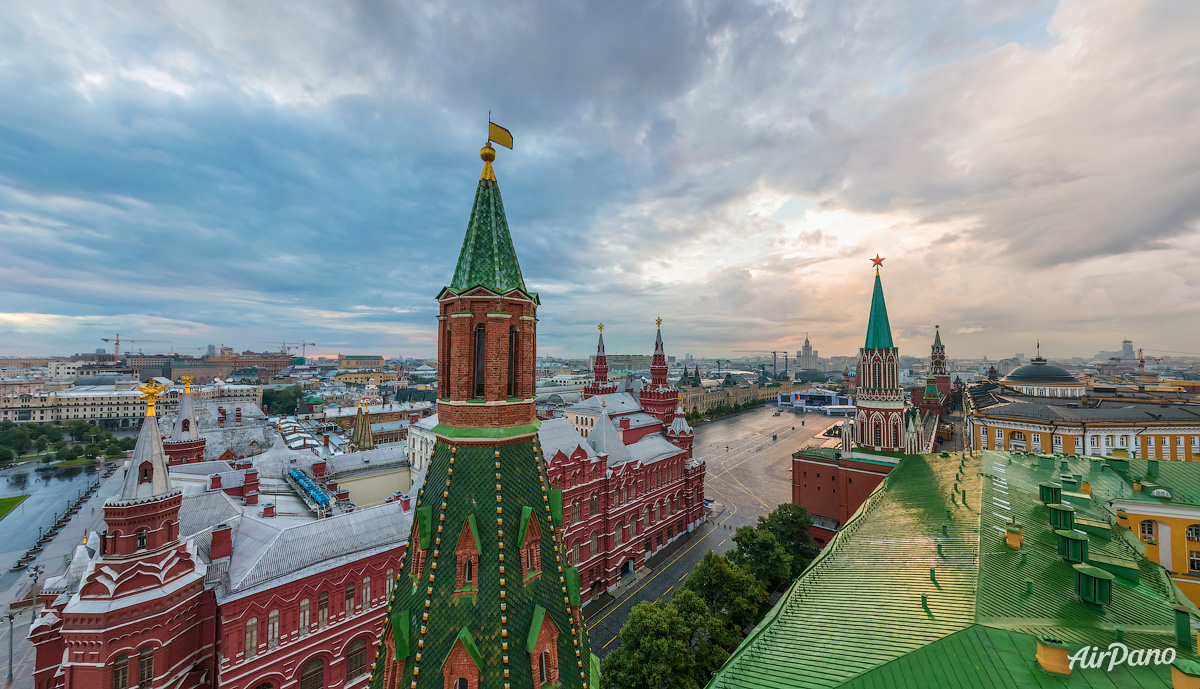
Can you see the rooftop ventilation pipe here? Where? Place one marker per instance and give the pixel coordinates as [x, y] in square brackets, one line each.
[1072, 546]
[1062, 517]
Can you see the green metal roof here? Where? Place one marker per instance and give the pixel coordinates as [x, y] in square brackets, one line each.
[937, 337]
[857, 617]
[488, 258]
[879, 331]
[463, 493]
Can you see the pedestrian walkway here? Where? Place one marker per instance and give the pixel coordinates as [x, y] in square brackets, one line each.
[53, 561]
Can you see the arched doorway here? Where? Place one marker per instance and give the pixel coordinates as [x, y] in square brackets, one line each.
[627, 568]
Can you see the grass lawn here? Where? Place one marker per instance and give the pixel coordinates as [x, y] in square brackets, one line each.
[9, 504]
[82, 461]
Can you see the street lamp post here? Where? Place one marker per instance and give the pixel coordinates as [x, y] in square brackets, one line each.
[10, 647]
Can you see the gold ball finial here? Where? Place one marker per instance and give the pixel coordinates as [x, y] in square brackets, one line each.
[487, 154]
[658, 322]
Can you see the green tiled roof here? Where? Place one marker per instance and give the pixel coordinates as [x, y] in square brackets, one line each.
[919, 589]
[988, 658]
[488, 258]
[937, 338]
[462, 483]
[879, 331]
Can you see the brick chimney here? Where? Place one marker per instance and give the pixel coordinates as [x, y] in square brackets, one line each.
[326, 436]
[237, 415]
[269, 510]
[624, 424]
[222, 542]
[252, 497]
[318, 468]
[214, 482]
[413, 417]
[332, 485]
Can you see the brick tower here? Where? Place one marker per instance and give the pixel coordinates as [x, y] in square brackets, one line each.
[937, 363]
[879, 422]
[484, 597]
[141, 616]
[600, 384]
[658, 399]
[185, 444]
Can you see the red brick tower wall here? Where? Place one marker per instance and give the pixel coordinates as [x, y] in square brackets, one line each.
[459, 318]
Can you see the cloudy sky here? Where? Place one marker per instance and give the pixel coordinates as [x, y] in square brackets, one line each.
[238, 173]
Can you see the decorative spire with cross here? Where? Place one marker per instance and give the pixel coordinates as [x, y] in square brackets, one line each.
[658, 322]
[601, 327]
[187, 382]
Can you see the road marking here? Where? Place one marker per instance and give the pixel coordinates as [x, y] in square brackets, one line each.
[684, 576]
[668, 590]
[609, 642]
[722, 541]
[663, 569]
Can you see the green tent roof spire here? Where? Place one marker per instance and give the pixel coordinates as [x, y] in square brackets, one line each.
[488, 258]
[937, 336]
[879, 331]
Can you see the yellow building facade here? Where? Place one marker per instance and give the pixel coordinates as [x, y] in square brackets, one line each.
[1142, 431]
[366, 377]
[1169, 530]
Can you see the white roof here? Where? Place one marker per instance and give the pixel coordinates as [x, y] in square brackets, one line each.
[615, 404]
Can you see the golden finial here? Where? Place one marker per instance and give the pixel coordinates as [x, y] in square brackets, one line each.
[187, 382]
[151, 392]
[601, 326]
[658, 322]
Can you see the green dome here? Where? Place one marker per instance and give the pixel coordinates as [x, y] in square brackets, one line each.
[1038, 372]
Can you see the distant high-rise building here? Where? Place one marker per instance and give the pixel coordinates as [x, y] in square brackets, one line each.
[1127, 349]
[807, 357]
[212, 349]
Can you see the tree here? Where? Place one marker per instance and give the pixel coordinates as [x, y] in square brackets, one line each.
[40, 444]
[729, 590]
[761, 552]
[7, 454]
[655, 652]
[790, 524]
[77, 429]
[283, 401]
[711, 637]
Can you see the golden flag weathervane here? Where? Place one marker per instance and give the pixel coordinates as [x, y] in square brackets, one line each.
[151, 392]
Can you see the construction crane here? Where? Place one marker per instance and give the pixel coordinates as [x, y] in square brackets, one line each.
[286, 347]
[116, 340]
[774, 358]
[1140, 359]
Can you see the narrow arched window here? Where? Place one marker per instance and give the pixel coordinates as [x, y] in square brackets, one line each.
[480, 355]
[468, 572]
[512, 361]
[120, 672]
[145, 473]
[141, 539]
[356, 660]
[544, 666]
[304, 617]
[251, 637]
[273, 629]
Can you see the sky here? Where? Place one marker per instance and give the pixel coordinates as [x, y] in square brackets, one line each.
[247, 173]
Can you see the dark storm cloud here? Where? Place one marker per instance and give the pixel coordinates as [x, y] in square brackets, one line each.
[248, 172]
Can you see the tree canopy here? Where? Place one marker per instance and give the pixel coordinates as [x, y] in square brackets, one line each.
[727, 589]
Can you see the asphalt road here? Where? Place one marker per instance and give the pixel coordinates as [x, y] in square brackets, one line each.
[748, 479]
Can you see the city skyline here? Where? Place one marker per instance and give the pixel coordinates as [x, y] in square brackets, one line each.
[207, 175]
